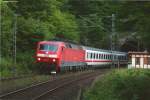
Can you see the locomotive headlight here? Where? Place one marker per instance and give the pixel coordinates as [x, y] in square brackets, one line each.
[54, 60]
[39, 59]
[52, 56]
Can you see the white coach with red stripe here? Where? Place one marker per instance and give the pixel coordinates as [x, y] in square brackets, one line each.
[95, 56]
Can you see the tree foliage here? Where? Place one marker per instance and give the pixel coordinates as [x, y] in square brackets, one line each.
[88, 22]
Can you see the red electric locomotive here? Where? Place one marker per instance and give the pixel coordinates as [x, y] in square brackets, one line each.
[60, 55]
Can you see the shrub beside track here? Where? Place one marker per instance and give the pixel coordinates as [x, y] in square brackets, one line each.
[133, 84]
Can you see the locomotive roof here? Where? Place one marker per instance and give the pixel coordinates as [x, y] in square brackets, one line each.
[56, 42]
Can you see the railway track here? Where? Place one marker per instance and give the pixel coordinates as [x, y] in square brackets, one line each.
[58, 92]
[41, 90]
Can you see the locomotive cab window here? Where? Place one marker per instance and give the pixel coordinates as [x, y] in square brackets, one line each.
[48, 47]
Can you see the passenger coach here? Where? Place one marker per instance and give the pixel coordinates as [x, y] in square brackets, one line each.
[102, 57]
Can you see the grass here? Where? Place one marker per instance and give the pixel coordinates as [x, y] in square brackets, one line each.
[125, 84]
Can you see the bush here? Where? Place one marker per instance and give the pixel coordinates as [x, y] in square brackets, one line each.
[23, 66]
[132, 84]
[6, 67]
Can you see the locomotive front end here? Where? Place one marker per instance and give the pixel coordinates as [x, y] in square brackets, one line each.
[47, 54]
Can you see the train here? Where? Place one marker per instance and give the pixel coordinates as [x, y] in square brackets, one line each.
[66, 56]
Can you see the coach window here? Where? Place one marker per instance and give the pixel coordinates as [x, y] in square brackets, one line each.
[87, 55]
[115, 57]
[123, 57]
[90, 55]
[93, 55]
[96, 56]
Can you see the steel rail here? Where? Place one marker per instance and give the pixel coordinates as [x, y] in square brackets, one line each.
[64, 84]
[35, 85]
[22, 89]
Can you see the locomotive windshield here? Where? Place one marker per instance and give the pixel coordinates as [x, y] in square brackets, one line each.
[48, 47]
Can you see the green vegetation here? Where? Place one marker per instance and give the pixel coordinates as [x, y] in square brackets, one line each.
[132, 84]
[9, 69]
[87, 22]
